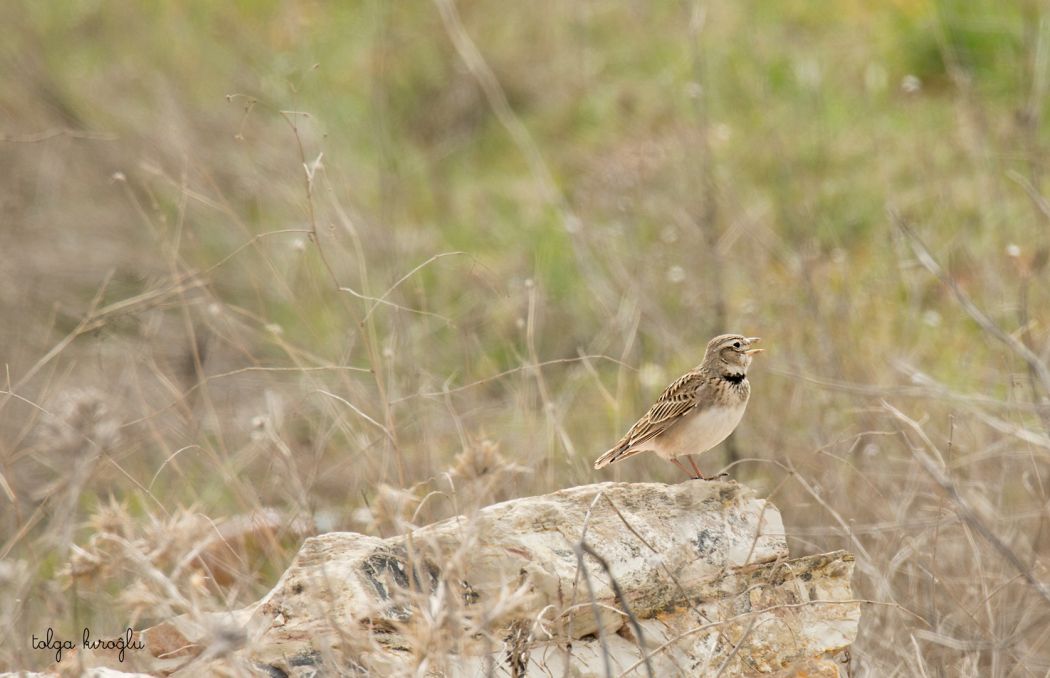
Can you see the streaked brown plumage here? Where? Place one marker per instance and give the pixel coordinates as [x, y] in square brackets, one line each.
[698, 410]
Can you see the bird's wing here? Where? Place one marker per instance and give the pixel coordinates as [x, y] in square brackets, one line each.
[676, 401]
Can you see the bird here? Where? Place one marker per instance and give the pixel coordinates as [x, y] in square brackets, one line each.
[697, 411]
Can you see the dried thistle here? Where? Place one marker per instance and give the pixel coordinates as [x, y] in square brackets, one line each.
[81, 422]
[483, 458]
[391, 509]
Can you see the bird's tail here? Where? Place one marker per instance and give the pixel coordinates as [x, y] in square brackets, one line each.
[617, 453]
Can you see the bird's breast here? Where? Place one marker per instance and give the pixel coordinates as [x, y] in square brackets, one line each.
[700, 431]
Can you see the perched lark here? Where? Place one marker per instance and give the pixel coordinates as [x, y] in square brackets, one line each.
[696, 412]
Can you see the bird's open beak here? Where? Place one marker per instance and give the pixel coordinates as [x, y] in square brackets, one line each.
[753, 351]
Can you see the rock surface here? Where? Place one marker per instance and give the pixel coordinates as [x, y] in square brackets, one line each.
[614, 578]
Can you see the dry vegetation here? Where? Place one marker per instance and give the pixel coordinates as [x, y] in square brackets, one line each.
[282, 267]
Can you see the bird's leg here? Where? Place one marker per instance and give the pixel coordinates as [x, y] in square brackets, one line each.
[695, 467]
[684, 469]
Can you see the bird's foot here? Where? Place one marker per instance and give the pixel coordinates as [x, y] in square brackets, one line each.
[701, 476]
[695, 474]
[711, 478]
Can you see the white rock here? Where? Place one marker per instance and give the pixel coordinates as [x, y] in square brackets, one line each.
[702, 566]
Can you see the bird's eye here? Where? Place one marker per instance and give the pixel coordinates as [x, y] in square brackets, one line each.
[736, 344]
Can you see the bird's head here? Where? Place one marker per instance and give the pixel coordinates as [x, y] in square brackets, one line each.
[731, 354]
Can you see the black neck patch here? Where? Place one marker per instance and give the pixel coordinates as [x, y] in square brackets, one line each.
[734, 378]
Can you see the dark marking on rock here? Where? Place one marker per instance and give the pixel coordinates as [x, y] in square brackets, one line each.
[706, 541]
[388, 567]
[297, 588]
[470, 596]
[305, 659]
[565, 554]
[382, 564]
[273, 671]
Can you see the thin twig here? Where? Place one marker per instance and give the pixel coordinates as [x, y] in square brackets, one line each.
[685, 597]
[929, 388]
[576, 581]
[747, 615]
[384, 295]
[585, 548]
[1040, 203]
[359, 412]
[582, 567]
[506, 373]
[978, 316]
[496, 98]
[967, 513]
[36, 137]
[736, 647]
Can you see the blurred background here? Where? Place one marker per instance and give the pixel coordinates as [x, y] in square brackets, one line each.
[277, 267]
